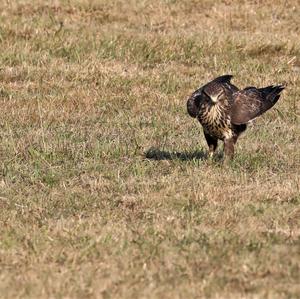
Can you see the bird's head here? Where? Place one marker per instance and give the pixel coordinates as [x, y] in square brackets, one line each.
[213, 93]
[209, 94]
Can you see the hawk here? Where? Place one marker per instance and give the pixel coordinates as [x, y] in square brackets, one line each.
[224, 110]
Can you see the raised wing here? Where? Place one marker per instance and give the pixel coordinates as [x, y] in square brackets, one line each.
[252, 102]
[225, 81]
[217, 86]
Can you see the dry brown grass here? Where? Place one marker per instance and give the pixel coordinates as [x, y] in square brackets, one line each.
[105, 187]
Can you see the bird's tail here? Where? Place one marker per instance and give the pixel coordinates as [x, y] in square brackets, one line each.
[272, 93]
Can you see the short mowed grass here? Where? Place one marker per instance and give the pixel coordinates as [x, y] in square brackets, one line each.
[106, 189]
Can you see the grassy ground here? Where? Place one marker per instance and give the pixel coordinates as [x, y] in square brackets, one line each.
[106, 191]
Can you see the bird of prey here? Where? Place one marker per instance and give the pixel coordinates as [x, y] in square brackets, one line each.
[224, 110]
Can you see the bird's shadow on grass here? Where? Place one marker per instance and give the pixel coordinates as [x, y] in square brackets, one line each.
[157, 154]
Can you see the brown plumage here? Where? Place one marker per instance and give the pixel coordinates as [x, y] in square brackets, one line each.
[224, 111]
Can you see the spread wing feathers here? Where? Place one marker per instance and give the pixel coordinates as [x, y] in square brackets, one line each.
[252, 102]
[223, 79]
[214, 88]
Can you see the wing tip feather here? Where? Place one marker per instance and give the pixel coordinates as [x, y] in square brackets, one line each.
[223, 79]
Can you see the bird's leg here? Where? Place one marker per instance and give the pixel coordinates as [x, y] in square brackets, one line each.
[229, 148]
[229, 143]
[212, 144]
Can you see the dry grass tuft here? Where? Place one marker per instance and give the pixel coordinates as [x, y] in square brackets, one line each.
[106, 190]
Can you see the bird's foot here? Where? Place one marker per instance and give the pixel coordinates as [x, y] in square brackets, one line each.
[210, 155]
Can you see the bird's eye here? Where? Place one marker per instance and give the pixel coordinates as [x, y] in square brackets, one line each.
[197, 98]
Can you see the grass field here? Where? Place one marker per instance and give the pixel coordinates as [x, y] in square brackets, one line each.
[106, 189]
